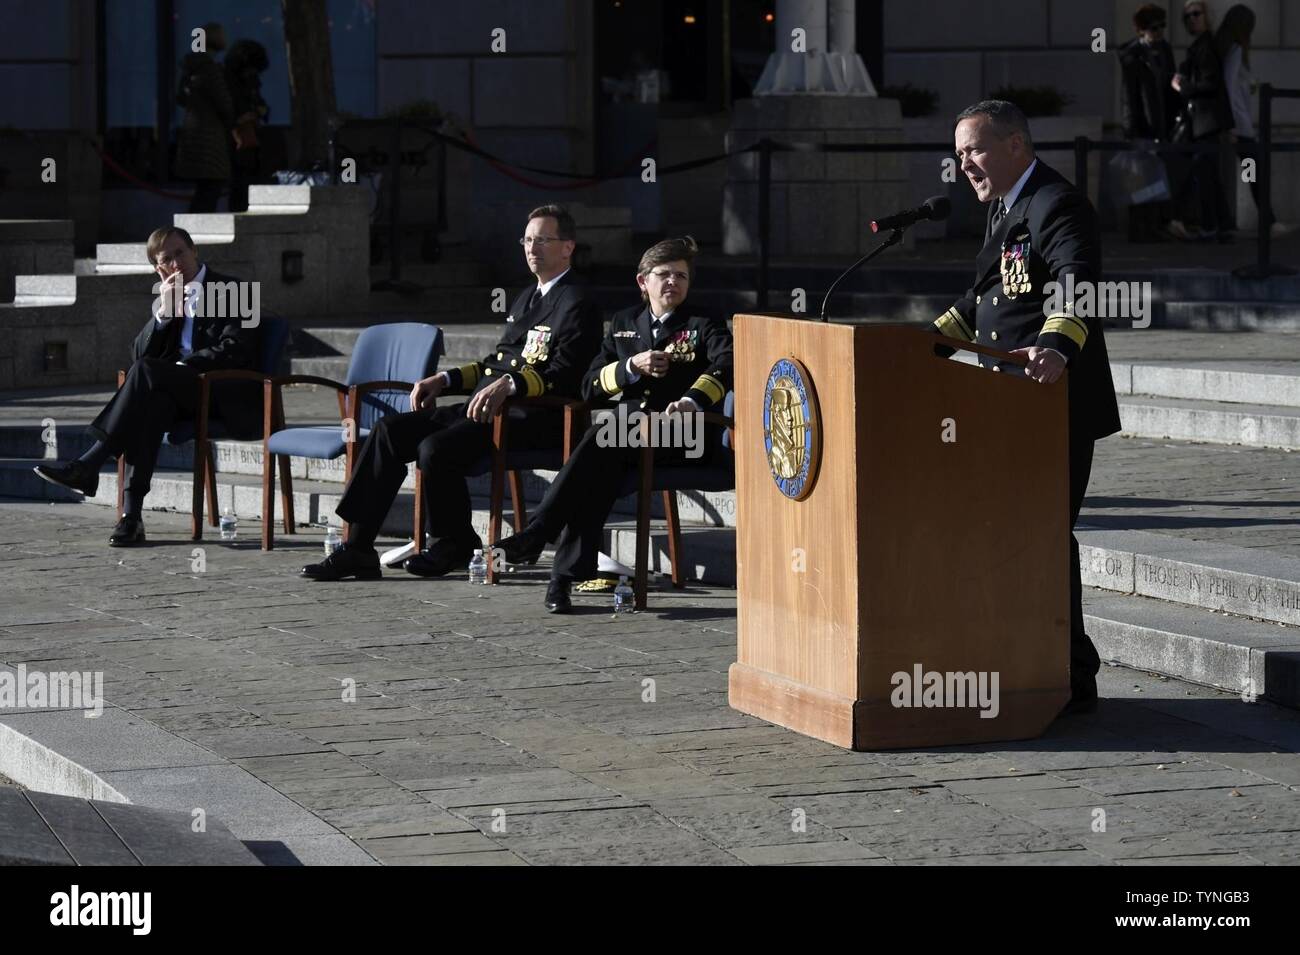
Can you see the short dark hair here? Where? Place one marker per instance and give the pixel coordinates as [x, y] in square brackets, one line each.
[1007, 118]
[158, 236]
[565, 227]
[1150, 15]
[669, 250]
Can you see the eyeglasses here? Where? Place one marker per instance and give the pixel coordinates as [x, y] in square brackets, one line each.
[539, 240]
[663, 274]
[1193, 14]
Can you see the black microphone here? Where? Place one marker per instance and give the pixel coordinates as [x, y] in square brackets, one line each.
[935, 208]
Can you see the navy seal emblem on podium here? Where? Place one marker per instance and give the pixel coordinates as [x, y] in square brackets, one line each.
[791, 428]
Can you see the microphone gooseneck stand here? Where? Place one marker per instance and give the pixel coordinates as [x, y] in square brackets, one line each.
[895, 237]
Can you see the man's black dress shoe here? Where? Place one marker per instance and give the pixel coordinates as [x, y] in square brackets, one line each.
[442, 558]
[557, 596]
[75, 476]
[523, 548]
[363, 564]
[1083, 697]
[128, 532]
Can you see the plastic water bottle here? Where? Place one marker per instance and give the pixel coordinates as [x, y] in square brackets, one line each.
[624, 597]
[228, 523]
[333, 539]
[478, 568]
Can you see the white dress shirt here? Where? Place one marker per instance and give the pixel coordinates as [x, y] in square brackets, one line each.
[190, 296]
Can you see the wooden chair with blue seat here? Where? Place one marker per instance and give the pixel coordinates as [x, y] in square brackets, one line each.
[386, 362]
[505, 465]
[202, 431]
[718, 474]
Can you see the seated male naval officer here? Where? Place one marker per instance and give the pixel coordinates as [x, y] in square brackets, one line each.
[1040, 230]
[661, 356]
[193, 329]
[551, 333]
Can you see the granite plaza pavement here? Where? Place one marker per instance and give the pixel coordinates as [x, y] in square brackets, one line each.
[482, 732]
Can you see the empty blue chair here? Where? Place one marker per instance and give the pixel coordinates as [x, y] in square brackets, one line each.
[387, 361]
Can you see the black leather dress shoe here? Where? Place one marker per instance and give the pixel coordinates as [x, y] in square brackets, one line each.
[557, 596]
[363, 564]
[523, 548]
[442, 558]
[1083, 698]
[128, 532]
[75, 476]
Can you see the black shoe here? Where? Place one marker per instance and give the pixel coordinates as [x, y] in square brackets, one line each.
[442, 558]
[557, 596]
[361, 563]
[75, 476]
[525, 547]
[128, 532]
[1083, 697]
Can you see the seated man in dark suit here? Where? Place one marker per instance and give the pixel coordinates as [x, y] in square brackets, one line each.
[179, 341]
[551, 334]
[660, 356]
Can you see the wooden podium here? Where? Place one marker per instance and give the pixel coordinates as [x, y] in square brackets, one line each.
[933, 540]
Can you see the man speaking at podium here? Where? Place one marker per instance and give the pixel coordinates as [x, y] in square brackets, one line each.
[1040, 230]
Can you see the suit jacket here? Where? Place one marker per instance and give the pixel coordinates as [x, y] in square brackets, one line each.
[216, 344]
[545, 351]
[701, 367]
[1052, 230]
[1204, 89]
[1150, 104]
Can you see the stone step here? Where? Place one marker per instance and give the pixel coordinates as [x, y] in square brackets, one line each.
[1185, 419]
[279, 200]
[1271, 383]
[63, 289]
[317, 485]
[1248, 582]
[1232, 315]
[1257, 660]
[42, 828]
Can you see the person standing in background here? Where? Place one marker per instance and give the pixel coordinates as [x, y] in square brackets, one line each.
[245, 63]
[1200, 82]
[203, 144]
[1149, 105]
[1232, 42]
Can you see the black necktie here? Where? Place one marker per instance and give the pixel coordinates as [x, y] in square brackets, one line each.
[534, 299]
[999, 212]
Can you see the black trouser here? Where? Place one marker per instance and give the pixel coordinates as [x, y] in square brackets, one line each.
[1205, 180]
[156, 394]
[1084, 661]
[446, 446]
[584, 492]
[207, 193]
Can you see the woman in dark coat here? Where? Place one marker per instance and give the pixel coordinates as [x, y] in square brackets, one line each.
[1150, 104]
[203, 143]
[245, 62]
[1200, 82]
